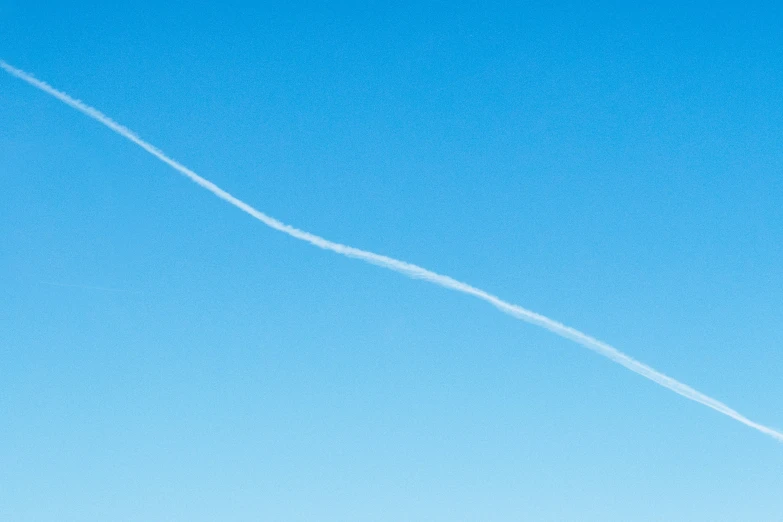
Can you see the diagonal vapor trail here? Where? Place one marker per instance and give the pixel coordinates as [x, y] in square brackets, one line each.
[404, 268]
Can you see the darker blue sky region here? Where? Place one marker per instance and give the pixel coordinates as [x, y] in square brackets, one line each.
[615, 167]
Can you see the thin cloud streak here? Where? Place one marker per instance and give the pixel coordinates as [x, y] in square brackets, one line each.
[404, 268]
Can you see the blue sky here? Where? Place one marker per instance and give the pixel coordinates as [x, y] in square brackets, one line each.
[616, 169]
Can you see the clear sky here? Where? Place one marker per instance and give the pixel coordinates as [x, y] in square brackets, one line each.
[165, 357]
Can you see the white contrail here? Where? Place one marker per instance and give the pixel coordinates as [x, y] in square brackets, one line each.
[402, 267]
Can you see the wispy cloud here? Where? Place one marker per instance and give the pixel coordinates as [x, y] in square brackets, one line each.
[404, 268]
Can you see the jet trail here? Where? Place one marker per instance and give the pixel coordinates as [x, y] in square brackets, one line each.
[404, 268]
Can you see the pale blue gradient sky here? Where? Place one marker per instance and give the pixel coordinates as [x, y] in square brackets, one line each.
[618, 170]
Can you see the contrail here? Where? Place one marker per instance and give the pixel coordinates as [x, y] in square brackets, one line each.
[404, 268]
